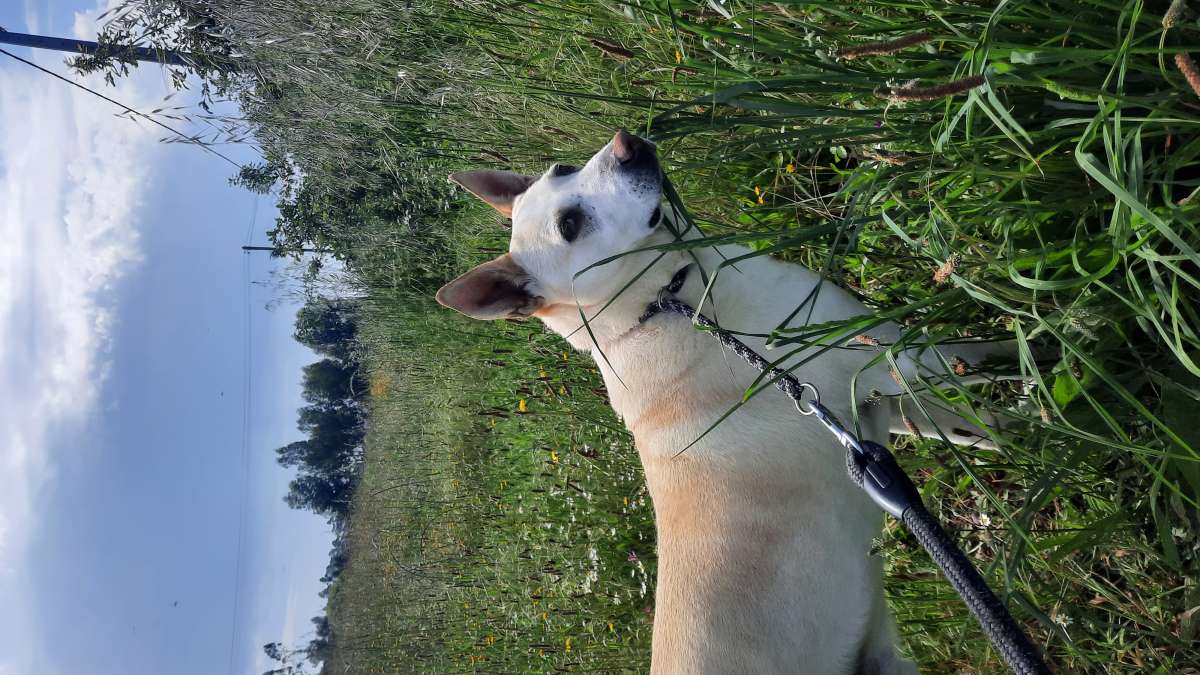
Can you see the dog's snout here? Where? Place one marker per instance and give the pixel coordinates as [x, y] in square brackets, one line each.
[632, 152]
[626, 147]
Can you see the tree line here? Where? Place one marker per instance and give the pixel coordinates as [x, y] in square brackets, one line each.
[328, 460]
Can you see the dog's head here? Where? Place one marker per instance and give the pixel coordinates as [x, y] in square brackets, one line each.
[564, 220]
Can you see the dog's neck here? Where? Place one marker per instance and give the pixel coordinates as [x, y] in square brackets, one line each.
[644, 359]
[609, 323]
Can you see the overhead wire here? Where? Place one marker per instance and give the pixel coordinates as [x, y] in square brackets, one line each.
[247, 355]
[247, 409]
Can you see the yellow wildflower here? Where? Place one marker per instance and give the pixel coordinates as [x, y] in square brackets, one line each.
[562, 390]
[564, 356]
[761, 200]
[567, 645]
[544, 617]
[678, 56]
[610, 627]
[542, 373]
[626, 500]
[379, 385]
[790, 168]
[554, 457]
[757, 191]
[521, 406]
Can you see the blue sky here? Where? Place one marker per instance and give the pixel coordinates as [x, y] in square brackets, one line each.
[124, 299]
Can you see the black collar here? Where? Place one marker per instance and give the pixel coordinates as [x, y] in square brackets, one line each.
[671, 288]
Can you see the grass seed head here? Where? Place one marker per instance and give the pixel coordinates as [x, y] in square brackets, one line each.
[942, 274]
[611, 48]
[909, 92]
[896, 159]
[1191, 73]
[1174, 13]
[883, 47]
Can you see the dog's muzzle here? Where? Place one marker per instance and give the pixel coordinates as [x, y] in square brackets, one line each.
[634, 154]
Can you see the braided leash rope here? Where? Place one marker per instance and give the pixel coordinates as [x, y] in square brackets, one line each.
[873, 468]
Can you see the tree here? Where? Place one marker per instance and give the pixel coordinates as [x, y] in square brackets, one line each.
[333, 382]
[320, 647]
[326, 495]
[175, 26]
[328, 327]
[334, 419]
[277, 652]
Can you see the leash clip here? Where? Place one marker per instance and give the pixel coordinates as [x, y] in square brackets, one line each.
[883, 479]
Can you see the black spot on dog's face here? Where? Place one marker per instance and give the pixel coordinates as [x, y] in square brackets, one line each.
[655, 218]
[571, 223]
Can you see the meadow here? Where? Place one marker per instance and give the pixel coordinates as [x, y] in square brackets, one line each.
[968, 169]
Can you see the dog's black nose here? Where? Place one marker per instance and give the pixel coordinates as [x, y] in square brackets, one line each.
[626, 147]
[632, 152]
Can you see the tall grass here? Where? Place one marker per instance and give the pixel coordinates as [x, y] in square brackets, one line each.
[501, 524]
[1016, 169]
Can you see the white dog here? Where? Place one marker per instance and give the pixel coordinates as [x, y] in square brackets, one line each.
[762, 539]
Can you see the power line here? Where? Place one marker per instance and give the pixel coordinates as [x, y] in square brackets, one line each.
[190, 139]
[247, 349]
[247, 391]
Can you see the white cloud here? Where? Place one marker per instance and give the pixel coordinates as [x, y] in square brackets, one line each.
[72, 176]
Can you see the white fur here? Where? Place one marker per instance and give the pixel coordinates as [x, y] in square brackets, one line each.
[762, 539]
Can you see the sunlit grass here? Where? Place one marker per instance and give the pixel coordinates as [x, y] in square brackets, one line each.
[1022, 170]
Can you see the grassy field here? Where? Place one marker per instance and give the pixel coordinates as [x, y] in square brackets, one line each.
[1026, 169]
[501, 523]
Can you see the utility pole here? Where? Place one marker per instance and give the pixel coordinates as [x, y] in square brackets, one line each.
[87, 48]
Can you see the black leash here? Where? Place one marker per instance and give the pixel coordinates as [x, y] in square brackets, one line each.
[873, 468]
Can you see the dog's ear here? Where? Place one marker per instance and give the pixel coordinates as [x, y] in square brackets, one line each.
[493, 290]
[497, 188]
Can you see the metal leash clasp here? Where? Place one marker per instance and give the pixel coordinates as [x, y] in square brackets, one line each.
[883, 479]
[813, 407]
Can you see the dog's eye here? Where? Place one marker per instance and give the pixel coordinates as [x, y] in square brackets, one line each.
[562, 170]
[570, 224]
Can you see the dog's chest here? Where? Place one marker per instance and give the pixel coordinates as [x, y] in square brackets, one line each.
[676, 389]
